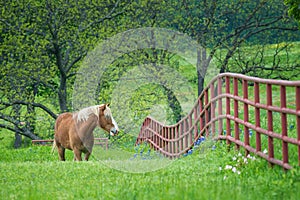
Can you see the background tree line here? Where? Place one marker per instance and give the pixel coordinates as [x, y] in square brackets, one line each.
[44, 42]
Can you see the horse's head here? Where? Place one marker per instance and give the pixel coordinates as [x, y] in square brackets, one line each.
[106, 120]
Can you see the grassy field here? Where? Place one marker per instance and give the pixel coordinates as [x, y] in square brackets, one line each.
[34, 173]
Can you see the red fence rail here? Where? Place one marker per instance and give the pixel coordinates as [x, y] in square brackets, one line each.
[260, 115]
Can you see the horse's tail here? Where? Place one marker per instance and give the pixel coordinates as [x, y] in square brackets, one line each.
[53, 147]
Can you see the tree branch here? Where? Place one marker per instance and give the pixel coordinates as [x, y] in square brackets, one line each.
[74, 62]
[108, 16]
[10, 119]
[43, 107]
[10, 128]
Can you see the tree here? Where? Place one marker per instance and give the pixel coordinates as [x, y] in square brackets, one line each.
[294, 8]
[42, 45]
[20, 73]
[217, 25]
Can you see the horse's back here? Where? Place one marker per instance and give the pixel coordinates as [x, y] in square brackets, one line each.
[63, 120]
[63, 124]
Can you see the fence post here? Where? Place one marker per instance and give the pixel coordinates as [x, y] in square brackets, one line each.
[155, 136]
[206, 117]
[246, 115]
[257, 115]
[181, 130]
[236, 111]
[172, 144]
[298, 119]
[190, 125]
[195, 122]
[200, 103]
[270, 122]
[284, 124]
[220, 106]
[186, 132]
[177, 143]
[212, 110]
[227, 88]
[159, 138]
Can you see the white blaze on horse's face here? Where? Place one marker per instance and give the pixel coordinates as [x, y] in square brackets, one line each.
[115, 129]
[106, 120]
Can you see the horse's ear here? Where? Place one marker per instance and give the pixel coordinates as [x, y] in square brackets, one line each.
[102, 108]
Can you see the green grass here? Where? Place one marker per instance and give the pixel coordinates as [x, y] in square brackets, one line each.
[34, 173]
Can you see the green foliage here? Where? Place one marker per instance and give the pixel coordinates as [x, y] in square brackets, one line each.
[123, 141]
[43, 45]
[273, 61]
[294, 8]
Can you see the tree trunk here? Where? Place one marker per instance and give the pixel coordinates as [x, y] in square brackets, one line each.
[18, 140]
[200, 83]
[203, 62]
[62, 90]
[31, 115]
[173, 104]
[62, 94]
[18, 137]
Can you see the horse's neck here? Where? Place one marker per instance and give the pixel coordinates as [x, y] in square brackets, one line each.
[87, 126]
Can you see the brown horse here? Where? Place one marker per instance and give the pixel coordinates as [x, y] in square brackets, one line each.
[74, 131]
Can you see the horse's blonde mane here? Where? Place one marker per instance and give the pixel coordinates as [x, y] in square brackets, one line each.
[84, 114]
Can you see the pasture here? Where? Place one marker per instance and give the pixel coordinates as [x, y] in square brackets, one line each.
[208, 173]
[140, 57]
[32, 172]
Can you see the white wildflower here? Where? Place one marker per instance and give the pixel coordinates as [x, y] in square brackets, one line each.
[240, 155]
[233, 169]
[245, 161]
[220, 168]
[224, 177]
[234, 158]
[228, 167]
[265, 151]
[238, 172]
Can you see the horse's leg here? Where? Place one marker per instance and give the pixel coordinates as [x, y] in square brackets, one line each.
[77, 154]
[87, 155]
[61, 153]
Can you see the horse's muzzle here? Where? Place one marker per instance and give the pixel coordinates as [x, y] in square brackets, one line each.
[113, 131]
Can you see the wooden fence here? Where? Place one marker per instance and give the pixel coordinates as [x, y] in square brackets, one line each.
[261, 116]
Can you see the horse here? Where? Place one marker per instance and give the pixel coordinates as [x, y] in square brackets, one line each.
[74, 131]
